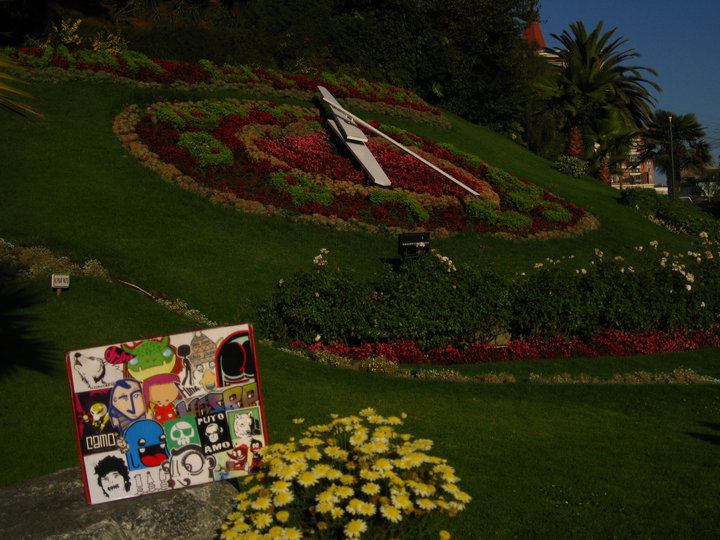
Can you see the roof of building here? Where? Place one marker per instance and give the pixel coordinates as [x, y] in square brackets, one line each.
[534, 36]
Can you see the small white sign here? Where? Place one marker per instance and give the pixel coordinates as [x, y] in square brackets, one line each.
[60, 281]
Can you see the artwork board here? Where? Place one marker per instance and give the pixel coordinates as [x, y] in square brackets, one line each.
[167, 412]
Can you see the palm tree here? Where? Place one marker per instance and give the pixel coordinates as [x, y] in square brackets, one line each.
[675, 143]
[609, 140]
[9, 94]
[592, 77]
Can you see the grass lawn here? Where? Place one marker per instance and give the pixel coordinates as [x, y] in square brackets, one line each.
[541, 461]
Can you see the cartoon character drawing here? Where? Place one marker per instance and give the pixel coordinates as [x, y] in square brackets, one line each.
[255, 446]
[188, 466]
[161, 391]
[238, 458]
[145, 445]
[126, 403]
[113, 476]
[98, 419]
[213, 432]
[151, 357]
[182, 433]
[93, 371]
[245, 425]
[200, 365]
[236, 359]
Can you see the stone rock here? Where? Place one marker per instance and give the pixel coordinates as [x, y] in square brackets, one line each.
[54, 507]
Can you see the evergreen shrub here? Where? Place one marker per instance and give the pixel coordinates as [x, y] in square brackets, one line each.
[571, 166]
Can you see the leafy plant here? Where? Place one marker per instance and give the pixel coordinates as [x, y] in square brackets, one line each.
[206, 149]
[302, 190]
[571, 166]
[413, 206]
[680, 215]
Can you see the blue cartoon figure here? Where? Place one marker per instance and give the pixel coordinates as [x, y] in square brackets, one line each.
[144, 445]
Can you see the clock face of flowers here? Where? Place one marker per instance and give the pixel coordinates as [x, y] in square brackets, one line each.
[283, 159]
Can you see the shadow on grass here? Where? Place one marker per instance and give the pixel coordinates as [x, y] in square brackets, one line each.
[21, 345]
[708, 437]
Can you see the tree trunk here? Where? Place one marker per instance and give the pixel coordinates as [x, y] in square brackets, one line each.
[575, 143]
[604, 170]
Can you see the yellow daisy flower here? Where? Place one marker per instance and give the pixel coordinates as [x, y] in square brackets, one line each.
[262, 520]
[279, 486]
[371, 488]
[348, 479]
[333, 474]
[282, 516]
[261, 503]
[283, 498]
[337, 512]
[366, 474]
[402, 501]
[355, 528]
[425, 504]
[354, 506]
[292, 533]
[391, 513]
[343, 492]
[367, 509]
[307, 479]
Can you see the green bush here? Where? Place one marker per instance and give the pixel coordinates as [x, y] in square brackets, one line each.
[33, 61]
[522, 201]
[90, 57]
[206, 149]
[571, 166]
[134, 60]
[433, 303]
[483, 210]
[653, 292]
[301, 189]
[168, 114]
[427, 300]
[416, 209]
[513, 221]
[681, 215]
[555, 212]
[323, 304]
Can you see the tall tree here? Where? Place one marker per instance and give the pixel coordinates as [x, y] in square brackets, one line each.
[608, 139]
[675, 143]
[593, 77]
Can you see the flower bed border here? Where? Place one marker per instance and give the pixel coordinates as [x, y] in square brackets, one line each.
[606, 343]
[124, 127]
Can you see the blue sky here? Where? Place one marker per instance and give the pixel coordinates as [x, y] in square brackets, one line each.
[679, 39]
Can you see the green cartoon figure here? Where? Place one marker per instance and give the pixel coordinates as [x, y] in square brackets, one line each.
[150, 357]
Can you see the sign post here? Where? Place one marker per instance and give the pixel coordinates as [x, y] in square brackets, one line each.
[60, 282]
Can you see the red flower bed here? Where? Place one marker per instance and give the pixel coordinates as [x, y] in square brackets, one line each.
[607, 343]
[288, 143]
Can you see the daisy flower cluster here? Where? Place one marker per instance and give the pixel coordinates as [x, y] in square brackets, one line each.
[354, 477]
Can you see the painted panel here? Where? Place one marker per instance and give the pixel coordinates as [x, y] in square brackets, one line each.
[167, 412]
